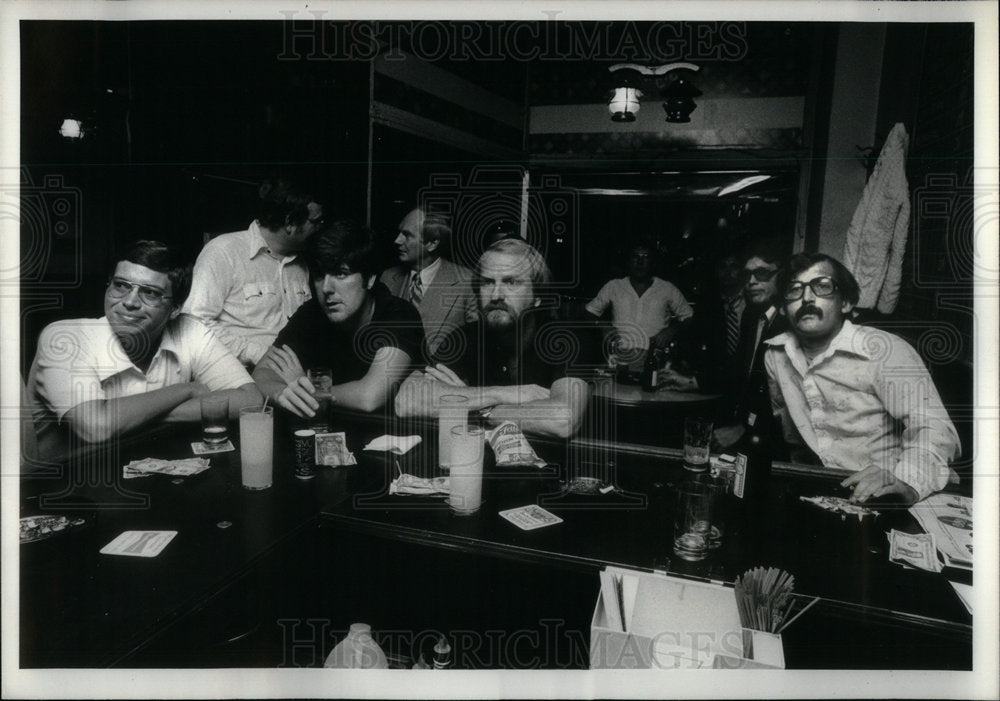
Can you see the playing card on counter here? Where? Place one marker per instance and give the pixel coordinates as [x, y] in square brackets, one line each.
[200, 448]
[530, 517]
[139, 543]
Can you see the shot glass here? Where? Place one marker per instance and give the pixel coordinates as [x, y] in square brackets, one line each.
[697, 438]
[453, 412]
[256, 446]
[466, 477]
[693, 521]
[214, 419]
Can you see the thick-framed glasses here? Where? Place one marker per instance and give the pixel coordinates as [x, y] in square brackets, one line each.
[821, 286]
[150, 296]
[759, 274]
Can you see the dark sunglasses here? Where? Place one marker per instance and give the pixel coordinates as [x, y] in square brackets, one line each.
[760, 274]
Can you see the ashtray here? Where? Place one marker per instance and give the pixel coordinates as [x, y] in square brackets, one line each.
[584, 485]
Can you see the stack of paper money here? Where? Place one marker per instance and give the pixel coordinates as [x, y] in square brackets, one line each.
[178, 468]
[845, 507]
[918, 550]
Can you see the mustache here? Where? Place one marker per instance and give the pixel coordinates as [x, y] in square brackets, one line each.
[810, 309]
[497, 306]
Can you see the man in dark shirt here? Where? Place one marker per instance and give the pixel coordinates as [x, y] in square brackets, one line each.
[516, 362]
[352, 325]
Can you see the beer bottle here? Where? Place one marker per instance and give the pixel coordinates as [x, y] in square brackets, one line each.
[753, 458]
[650, 370]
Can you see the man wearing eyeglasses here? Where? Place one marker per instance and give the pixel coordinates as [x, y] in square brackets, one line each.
[856, 398]
[247, 284]
[93, 380]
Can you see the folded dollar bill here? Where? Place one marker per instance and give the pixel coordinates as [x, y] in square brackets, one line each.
[917, 549]
[331, 449]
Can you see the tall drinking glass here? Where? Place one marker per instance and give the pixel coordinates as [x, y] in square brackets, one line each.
[697, 440]
[322, 381]
[257, 446]
[453, 412]
[466, 478]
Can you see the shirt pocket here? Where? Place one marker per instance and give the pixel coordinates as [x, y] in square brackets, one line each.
[258, 292]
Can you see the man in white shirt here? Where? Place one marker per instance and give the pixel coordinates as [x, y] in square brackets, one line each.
[440, 289]
[93, 380]
[858, 398]
[642, 305]
[247, 284]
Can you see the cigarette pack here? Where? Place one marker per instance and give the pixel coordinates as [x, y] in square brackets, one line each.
[655, 621]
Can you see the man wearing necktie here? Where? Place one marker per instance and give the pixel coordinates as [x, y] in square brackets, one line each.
[440, 289]
[760, 321]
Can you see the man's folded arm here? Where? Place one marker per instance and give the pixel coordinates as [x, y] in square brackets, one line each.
[560, 415]
[99, 420]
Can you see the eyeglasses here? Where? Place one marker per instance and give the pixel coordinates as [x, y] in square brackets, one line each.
[821, 286]
[760, 274]
[150, 296]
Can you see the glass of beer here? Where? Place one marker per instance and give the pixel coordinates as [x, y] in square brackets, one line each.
[257, 446]
[214, 419]
[322, 381]
[697, 439]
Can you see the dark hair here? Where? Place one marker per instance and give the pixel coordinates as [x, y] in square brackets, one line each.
[344, 243]
[768, 250]
[159, 257]
[848, 286]
[282, 202]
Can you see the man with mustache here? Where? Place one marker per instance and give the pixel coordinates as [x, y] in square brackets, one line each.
[143, 362]
[352, 325]
[854, 397]
[440, 289]
[514, 362]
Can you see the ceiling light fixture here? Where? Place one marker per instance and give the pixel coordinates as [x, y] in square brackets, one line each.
[678, 94]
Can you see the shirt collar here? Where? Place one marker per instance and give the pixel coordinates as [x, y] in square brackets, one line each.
[850, 339]
[428, 273]
[257, 243]
[111, 356]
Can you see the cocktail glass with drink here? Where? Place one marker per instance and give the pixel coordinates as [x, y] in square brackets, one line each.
[466, 478]
[257, 446]
[453, 412]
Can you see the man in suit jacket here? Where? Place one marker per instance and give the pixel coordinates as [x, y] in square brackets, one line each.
[440, 289]
[760, 321]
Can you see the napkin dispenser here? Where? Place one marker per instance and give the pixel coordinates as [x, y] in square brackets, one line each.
[655, 621]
